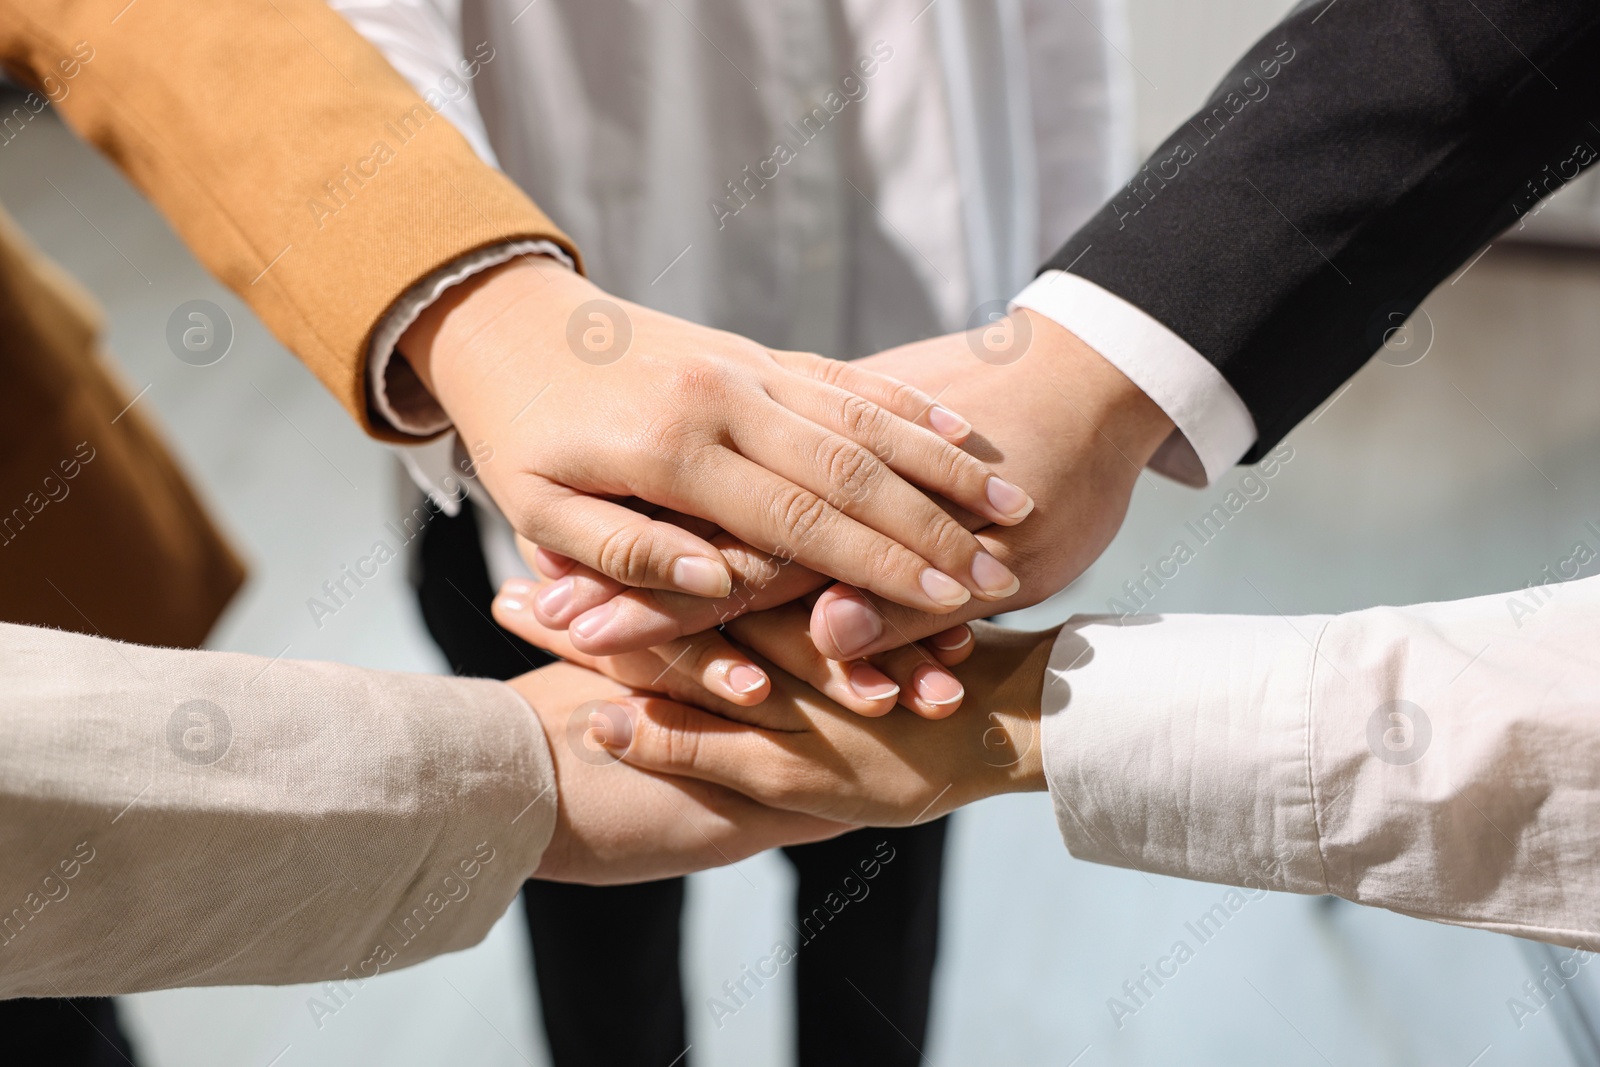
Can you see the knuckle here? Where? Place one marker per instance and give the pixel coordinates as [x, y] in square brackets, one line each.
[953, 467]
[851, 471]
[695, 380]
[902, 397]
[861, 419]
[895, 565]
[945, 538]
[800, 513]
[676, 744]
[626, 554]
[827, 371]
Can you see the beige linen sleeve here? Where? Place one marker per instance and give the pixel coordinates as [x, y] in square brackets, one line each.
[1441, 760]
[175, 818]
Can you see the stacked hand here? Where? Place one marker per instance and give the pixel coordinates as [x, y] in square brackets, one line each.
[702, 481]
[800, 752]
[618, 823]
[583, 400]
[1059, 421]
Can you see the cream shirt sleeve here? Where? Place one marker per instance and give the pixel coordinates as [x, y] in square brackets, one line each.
[176, 818]
[1441, 760]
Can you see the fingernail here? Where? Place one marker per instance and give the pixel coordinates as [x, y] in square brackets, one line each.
[517, 587]
[869, 683]
[745, 680]
[853, 626]
[552, 598]
[702, 577]
[591, 622]
[1007, 499]
[992, 577]
[937, 688]
[510, 603]
[948, 422]
[952, 639]
[943, 589]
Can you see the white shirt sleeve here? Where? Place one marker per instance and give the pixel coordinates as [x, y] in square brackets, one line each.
[1441, 760]
[421, 39]
[1214, 428]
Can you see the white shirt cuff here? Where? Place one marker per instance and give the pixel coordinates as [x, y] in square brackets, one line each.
[1214, 428]
[1178, 745]
[394, 390]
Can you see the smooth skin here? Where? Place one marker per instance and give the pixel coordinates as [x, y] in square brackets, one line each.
[799, 751]
[1058, 420]
[584, 401]
[618, 823]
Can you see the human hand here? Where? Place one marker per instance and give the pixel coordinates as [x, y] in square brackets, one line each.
[799, 751]
[1058, 420]
[914, 676]
[581, 397]
[1053, 415]
[616, 823]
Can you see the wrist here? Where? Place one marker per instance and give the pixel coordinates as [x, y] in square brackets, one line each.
[1004, 680]
[438, 343]
[1122, 413]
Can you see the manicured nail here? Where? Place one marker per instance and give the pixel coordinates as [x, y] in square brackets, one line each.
[947, 422]
[869, 683]
[702, 577]
[937, 688]
[517, 587]
[591, 622]
[952, 639]
[992, 577]
[745, 680]
[1007, 499]
[853, 625]
[556, 596]
[943, 589]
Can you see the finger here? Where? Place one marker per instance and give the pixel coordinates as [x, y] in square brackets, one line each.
[919, 455]
[643, 618]
[864, 488]
[622, 544]
[925, 686]
[557, 603]
[906, 401]
[792, 522]
[672, 738]
[545, 562]
[951, 647]
[693, 668]
[779, 635]
[847, 624]
[709, 661]
[514, 612]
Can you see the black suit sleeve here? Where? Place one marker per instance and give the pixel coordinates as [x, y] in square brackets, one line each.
[1359, 154]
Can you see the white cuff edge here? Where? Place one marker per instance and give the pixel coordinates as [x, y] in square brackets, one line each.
[1214, 428]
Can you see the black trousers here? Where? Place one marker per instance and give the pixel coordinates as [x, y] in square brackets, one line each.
[864, 946]
[69, 1032]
